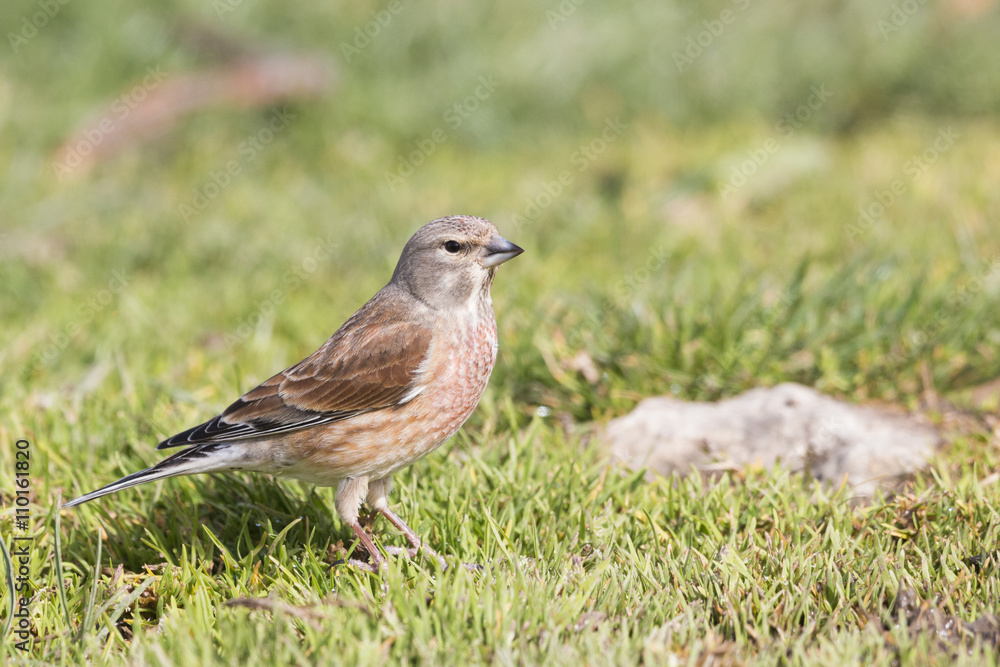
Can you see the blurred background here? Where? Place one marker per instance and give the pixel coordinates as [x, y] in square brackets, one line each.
[712, 196]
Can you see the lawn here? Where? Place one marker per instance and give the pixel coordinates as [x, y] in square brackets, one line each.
[811, 198]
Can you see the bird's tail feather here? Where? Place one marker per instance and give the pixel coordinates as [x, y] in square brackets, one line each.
[200, 458]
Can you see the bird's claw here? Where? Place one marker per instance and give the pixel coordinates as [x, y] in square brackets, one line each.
[360, 564]
[412, 552]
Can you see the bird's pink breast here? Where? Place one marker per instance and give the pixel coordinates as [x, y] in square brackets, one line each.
[461, 377]
[379, 443]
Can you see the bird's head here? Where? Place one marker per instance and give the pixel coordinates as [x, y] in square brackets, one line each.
[451, 261]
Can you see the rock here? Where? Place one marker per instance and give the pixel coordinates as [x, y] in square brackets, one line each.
[790, 423]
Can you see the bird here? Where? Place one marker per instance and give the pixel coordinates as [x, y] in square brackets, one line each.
[396, 380]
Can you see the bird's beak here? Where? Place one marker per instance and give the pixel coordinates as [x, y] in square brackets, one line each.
[499, 250]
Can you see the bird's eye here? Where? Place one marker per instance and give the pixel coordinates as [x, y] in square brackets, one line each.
[452, 246]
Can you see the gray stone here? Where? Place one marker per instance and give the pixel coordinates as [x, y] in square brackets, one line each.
[790, 423]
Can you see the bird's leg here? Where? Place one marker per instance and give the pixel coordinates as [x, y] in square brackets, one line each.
[350, 492]
[378, 499]
[411, 536]
[378, 491]
[373, 552]
[417, 543]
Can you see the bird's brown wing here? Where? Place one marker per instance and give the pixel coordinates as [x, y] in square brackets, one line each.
[367, 365]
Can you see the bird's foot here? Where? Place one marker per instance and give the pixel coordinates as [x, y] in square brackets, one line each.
[360, 564]
[417, 544]
[412, 552]
[376, 559]
[407, 552]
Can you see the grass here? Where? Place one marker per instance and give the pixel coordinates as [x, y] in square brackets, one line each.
[124, 323]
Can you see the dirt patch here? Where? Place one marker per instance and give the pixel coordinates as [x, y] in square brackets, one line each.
[924, 617]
